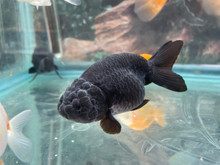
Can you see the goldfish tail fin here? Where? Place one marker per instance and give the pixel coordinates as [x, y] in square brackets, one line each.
[20, 144]
[162, 63]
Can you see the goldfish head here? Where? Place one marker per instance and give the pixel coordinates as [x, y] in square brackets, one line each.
[83, 102]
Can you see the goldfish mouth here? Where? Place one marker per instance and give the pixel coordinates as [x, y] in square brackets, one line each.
[62, 112]
[71, 113]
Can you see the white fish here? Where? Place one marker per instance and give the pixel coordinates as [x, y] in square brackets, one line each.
[38, 3]
[11, 134]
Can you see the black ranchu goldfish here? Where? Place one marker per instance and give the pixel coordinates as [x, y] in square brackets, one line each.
[43, 62]
[116, 83]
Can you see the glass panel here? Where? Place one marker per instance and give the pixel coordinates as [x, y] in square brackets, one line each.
[17, 37]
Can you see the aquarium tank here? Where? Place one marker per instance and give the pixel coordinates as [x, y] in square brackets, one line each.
[47, 44]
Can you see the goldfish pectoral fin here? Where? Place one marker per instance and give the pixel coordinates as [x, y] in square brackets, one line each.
[145, 101]
[32, 70]
[34, 77]
[58, 74]
[110, 125]
[56, 67]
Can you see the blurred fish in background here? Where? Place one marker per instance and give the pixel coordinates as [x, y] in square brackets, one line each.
[38, 3]
[148, 9]
[143, 118]
[1, 162]
[211, 7]
[43, 62]
[11, 134]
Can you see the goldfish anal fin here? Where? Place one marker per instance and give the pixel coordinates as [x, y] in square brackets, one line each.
[146, 56]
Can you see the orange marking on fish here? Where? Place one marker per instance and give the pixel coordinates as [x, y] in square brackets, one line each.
[157, 5]
[7, 121]
[146, 56]
[1, 162]
[144, 117]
